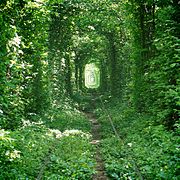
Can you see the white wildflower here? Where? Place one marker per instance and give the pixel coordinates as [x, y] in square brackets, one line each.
[13, 155]
[129, 144]
[74, 132]
[7, 153]
[1, 111]
[3, 133]
[91, 27]
[54, 132]
[26, 123]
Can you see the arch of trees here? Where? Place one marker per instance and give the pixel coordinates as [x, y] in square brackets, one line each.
[45, 45]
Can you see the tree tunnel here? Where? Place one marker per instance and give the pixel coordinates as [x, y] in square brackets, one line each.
[46, 45]
[103, 32]
[81, 73]
[77, 41]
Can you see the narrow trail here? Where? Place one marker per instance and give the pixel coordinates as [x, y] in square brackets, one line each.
[101, 174]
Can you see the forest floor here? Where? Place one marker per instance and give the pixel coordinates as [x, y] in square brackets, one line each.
[96, 138]
[89, 147]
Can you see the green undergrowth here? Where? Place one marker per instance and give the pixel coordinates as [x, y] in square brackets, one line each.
[67, 120]
[144, 150]
[56, 148]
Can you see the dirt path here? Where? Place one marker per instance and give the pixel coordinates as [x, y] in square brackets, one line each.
[100, 175]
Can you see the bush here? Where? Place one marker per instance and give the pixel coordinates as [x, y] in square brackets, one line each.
[145, 149]
[56, 153]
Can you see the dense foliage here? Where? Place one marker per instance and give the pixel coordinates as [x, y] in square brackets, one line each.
[35, 150]
[44, 48]
[143, 151]
[23, 60]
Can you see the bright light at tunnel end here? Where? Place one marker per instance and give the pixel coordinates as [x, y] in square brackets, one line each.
[92, 76]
